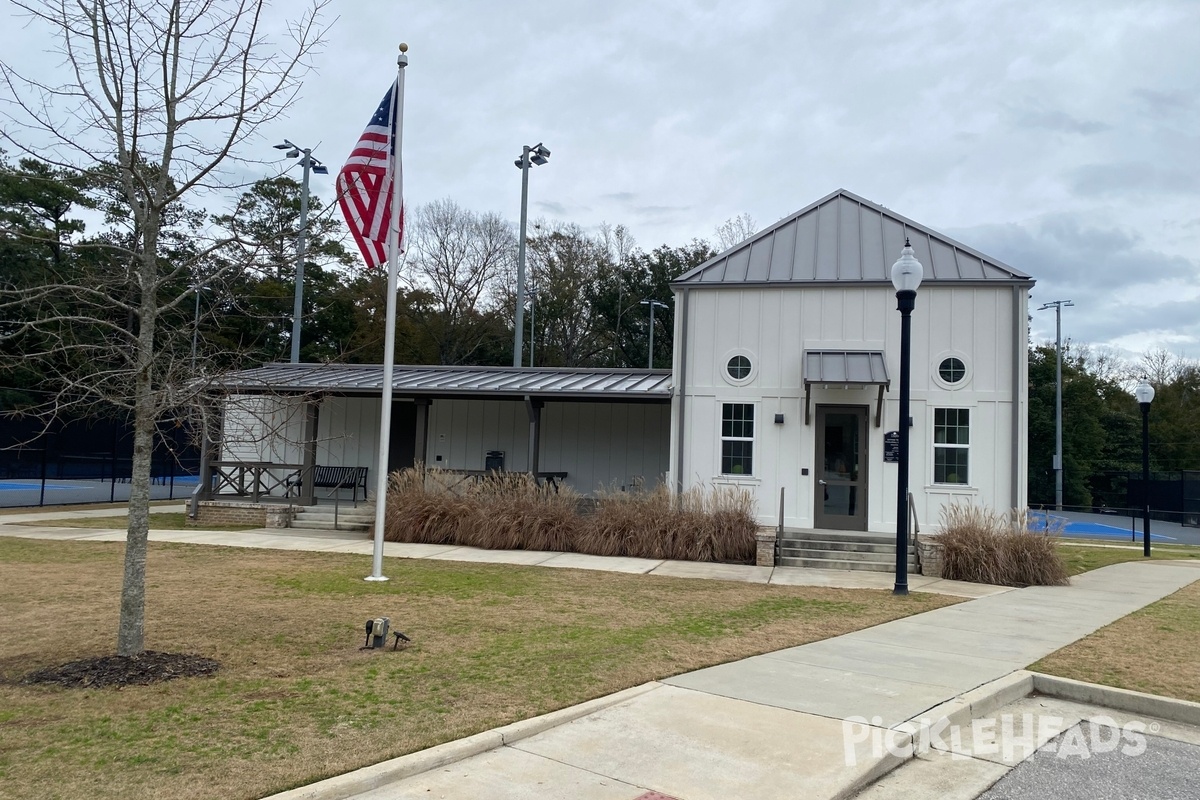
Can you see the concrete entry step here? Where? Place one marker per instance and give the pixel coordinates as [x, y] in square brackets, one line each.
[830, 563]
[831, 555]
[831, 535]
[323, 518]
[842, 545]
[851, 550]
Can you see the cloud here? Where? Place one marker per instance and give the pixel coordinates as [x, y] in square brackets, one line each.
[1121, 178]
[1059, 121]
[1123, 289]
[1164, 103]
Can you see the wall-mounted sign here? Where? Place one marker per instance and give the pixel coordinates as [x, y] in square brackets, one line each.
[891, 447]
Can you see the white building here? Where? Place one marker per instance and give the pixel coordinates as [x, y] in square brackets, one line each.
[786, 371]
[785, 382]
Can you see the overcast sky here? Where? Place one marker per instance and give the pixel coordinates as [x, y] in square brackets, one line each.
[1062, 137]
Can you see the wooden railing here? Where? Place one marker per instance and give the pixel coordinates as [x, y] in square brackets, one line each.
[252, 479]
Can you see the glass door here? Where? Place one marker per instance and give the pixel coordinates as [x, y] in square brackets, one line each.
[841, 468]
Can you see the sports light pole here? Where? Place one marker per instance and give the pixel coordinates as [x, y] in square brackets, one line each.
[1145, 396]
[1058, 306]
[652, 304]
[310, 164]
[537, 154]
[906, 277]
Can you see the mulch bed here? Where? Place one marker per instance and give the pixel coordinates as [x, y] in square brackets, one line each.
[144, 668]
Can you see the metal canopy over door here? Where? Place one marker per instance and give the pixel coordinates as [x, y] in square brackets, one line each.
[841, 468]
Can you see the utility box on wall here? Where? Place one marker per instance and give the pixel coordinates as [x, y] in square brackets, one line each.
[494, 461]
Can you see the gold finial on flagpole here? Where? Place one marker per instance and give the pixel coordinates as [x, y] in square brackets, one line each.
[404, 47]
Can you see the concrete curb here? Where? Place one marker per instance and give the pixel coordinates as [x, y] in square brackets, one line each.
[367, 778]
[914, 732]
[1149, 705]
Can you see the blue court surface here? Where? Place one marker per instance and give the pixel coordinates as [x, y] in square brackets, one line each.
[1090, 529]
[29, 493]
[11, 486]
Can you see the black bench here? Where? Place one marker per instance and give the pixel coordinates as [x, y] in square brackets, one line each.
[353, 478]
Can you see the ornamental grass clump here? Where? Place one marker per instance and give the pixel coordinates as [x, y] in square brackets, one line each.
[501, 511]
[982, 546]
[510, 511]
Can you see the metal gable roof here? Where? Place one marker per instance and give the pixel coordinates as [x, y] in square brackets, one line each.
[845, 238]
[409, 381]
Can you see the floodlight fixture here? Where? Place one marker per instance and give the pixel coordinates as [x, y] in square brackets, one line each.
[531, 155]
[309, 164]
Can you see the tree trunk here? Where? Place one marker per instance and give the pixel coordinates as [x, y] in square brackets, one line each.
[131, 629]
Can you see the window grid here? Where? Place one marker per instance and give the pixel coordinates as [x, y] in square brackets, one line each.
[738, 368]
[952, 370]
[737, 438]
[951, 445]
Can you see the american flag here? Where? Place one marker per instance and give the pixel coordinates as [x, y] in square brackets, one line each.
[365, 184]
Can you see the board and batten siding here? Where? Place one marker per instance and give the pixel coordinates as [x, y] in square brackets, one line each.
[774, 326]
[598, 445]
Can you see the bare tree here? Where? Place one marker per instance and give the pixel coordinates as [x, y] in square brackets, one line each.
[460, 257]
[734, 231]
[1160, 367]
[162, 94]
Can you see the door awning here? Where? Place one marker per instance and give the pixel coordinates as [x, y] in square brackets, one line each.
[845, 368]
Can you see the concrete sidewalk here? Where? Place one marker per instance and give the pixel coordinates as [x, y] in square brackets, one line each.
[352, 542]
[772, 726]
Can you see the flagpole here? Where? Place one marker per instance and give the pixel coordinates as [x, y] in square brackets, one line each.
[389, 336]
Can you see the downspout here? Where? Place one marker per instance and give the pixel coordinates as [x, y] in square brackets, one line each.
[681, 385]
[1019, 352]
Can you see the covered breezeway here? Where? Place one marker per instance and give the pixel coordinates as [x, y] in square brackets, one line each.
[585, 428]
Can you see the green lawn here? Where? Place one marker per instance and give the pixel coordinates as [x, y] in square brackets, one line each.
[159, 521]
[1083, 558]
[296, 699]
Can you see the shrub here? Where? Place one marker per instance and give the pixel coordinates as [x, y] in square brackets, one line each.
[982, 546]
[509, 511]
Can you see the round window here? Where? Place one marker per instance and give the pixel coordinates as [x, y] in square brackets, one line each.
[952, 370]
[739, 368]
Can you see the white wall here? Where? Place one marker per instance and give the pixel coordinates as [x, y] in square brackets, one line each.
[596, 444]
[774, 326]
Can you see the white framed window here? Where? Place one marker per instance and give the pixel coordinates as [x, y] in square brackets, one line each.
[739, 367]
[951, 370]
[737, 438]
[951, 446]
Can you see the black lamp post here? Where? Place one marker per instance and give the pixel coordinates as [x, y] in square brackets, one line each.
[906, 277]
[1145, 395]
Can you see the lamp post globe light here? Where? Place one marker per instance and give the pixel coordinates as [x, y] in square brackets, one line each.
[906, 277]
[652, 304]
[310, 164]
[536, 155]
[1145, 396]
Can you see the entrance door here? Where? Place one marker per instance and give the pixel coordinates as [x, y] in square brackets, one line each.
[402, 444]
[841, 468]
